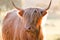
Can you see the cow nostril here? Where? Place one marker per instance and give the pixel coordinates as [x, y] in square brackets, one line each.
[29, 28]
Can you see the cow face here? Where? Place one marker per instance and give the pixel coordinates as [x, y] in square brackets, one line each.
[32, 18]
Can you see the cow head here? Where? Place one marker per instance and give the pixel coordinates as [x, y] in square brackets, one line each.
[32, 17]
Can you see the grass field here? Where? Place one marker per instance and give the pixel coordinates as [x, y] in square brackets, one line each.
[53, 29]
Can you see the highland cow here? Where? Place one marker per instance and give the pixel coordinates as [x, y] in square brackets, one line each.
[24, 24]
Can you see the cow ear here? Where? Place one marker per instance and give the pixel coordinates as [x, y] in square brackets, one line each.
[44, 13]
[21, 12]
[19, 9]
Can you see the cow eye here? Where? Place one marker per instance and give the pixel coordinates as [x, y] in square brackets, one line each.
[35, 11]
[41, 12]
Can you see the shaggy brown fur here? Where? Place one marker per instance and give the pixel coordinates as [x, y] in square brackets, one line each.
[26, 28]
[24, 25]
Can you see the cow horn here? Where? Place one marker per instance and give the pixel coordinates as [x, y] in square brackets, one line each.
[20, 10]
[49, 5]
[44, 12]
[15, 5]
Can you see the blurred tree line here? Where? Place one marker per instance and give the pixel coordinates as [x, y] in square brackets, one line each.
[54, 10]
[7, 5]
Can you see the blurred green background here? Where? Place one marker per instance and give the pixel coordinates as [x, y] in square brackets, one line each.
[52, 25]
